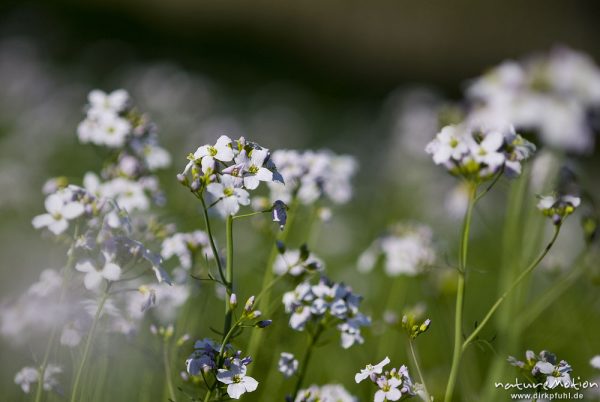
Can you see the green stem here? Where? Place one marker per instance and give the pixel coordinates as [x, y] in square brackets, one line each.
[65, 274]
[460, 295]
[87, 347]
[213, 247]
[168, 374]
[304, 365]
[517, 281]
[208, 394]
[413, 352]
[228, 275]
[267, 283]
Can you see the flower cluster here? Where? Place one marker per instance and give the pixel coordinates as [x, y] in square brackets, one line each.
[296, 262]
[325, 393]
[392, 385]
[407, 249]
[544, 369]
[558, 207]
[313, 175]
[550, 94]
[228, 364]
[326, 303]
[477, 153]
[227, 170]
[111, 121]
[30, 375]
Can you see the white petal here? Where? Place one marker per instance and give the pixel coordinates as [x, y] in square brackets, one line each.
[251, 182]
[235, 390]
[72, 210]
[111, 271]
[53, 203]
[250, 383]
[85, 266]
[230, 205]
[215, 189]
[393, 394]
[58, 226]
[493, 141]
[42, 220]
[92, 279]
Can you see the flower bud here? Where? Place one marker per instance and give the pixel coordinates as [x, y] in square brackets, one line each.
[249, 304]
[233, 300]
[264, 323]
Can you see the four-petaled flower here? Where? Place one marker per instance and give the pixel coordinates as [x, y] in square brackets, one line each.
[369, 371]
[236, 379]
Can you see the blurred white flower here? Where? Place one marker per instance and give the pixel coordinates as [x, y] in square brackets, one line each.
[288, 365]
[61, 209]
[407, 249]
[94, 276]
[325, 393]
[29, 375]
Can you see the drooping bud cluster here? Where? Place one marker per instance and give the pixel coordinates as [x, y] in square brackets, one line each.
[558, 207]
[544, 369]
[478, 154]
[326, 302]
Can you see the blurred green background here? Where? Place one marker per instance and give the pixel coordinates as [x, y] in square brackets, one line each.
[300, 75]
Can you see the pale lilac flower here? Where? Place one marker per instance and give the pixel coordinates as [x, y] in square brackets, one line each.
[229, 196]
[388, 389]
[371, 370]
[61, 209]
[238, 383]
[288, 365]
[109, 271]
[252, 167]
[102, 102]
[207, 155]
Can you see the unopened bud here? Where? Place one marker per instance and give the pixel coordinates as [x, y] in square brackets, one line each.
[264, 323]
[249, 304]
[233, 300]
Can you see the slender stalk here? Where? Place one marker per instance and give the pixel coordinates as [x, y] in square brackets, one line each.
[208, 394]
[264, 297]
[87, 347]
[168, 374]
[65, 274]
[304, 365]
[228, 274]
[213, 247]
[517, 281]
[413, 352]
[460, 295]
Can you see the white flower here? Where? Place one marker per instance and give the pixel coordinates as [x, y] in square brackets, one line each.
[371, 370]
[93, 277]
[29, 375]
[50, 281]
[558, 207]
[156, 157]
[114, 102]
[595, 362]
[448, 143]
[288, 365]
[388, 389]
[486, 152]
[290, 263]
[70, 337]
[236, 379]
[61, 209]
[325, 393]
[252, 167]
[207, 154]
[229, 196]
